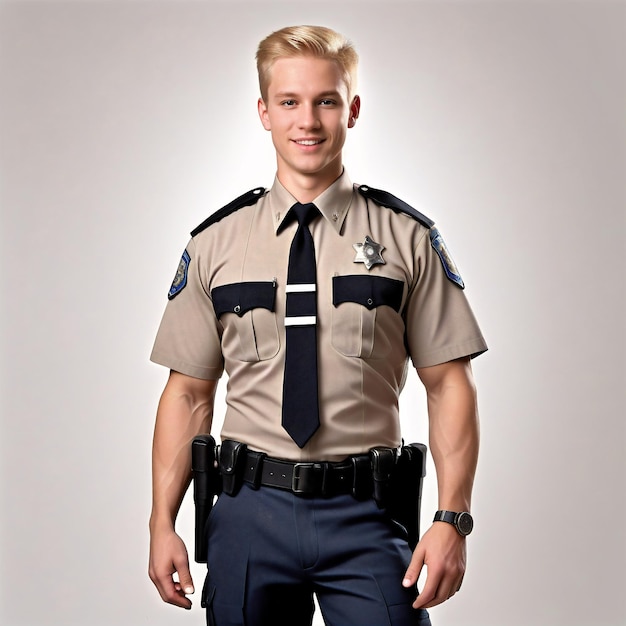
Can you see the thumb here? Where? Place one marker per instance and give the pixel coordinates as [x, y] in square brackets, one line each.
[184, 575]
[415, 567]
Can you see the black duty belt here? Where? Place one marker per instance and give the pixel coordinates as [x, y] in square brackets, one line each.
[352, 476]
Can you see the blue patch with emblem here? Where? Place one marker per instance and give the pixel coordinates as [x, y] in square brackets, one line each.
[180, 280]
[449, 265]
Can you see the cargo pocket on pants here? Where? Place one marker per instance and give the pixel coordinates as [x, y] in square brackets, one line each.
[216, 613]
[206, 601]
[399, 602]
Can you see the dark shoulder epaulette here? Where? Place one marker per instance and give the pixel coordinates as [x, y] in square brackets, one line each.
[384, 198]
[249, 198]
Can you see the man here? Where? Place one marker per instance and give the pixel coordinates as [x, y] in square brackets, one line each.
[313, 296]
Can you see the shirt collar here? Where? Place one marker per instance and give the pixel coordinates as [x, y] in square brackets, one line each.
[333, 203]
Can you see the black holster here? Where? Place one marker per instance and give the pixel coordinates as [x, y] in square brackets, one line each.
[404, 494]
[206, 486]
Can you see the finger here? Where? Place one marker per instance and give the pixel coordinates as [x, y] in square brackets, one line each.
[171, 592]
[446, 588]
[414, 570]
[184, 575]
[169, 589]
[431, 588]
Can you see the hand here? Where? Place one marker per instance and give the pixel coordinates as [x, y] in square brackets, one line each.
[168, 555]
[442, 550]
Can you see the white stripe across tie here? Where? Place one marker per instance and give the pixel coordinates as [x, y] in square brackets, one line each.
[300, 288]
[301, 320]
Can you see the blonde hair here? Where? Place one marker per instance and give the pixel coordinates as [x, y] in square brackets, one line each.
[299, 41]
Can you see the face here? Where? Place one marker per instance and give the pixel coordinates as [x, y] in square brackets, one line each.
[308, 114]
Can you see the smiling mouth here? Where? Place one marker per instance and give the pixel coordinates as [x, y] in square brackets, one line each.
[308, 142]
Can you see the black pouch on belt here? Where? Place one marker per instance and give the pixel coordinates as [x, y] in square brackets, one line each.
[383, 462]
[232, 459]
[206, 485]
[362, 483]
[405, 493]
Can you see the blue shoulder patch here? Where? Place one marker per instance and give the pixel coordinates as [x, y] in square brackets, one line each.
[446, 259]
[180, 280]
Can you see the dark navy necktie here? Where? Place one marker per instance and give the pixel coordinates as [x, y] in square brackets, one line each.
[300, 404]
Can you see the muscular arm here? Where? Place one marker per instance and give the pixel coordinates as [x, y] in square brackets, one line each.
[454, 435]
[185, 410]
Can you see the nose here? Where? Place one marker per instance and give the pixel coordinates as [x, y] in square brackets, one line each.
[309, 118]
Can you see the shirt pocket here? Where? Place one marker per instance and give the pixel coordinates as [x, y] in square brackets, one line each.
[366, 315]
[246, 311]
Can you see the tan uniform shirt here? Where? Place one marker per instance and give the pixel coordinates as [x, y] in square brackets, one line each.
[364, 341]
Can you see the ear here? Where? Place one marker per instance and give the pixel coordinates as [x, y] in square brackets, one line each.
[263, 116]
[355, 108]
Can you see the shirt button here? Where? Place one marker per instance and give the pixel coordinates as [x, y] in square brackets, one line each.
[370, 301]
[237, 309]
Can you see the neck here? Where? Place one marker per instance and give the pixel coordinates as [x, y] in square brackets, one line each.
[305, 188]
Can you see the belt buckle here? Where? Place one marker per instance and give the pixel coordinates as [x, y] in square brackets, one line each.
[314, 469]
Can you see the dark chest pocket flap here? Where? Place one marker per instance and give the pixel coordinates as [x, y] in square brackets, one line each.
[369, 291]
[240, 298]
[366, 320]
[251, 333]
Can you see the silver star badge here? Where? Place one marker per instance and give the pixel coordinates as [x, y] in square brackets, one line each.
[369, 252]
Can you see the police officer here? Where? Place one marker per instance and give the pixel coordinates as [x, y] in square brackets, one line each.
[313, 296]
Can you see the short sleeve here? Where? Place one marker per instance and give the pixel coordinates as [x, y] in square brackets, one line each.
[440, 324]
[189, 336]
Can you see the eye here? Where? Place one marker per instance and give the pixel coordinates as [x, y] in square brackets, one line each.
[288, 103]
[327, 102]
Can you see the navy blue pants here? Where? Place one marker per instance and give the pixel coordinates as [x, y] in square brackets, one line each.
[270, 551]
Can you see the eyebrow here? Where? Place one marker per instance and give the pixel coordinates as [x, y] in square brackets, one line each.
[290, 94]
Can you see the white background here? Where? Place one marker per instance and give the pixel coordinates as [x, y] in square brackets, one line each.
[124, 124]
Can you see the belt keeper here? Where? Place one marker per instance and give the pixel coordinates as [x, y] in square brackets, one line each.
[325, 474]
[254, 470]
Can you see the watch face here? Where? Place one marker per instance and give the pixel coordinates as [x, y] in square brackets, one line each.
[464, 523]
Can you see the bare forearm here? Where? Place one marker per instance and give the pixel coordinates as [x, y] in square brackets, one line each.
[453, 421]
[454, 436]
[184, 411]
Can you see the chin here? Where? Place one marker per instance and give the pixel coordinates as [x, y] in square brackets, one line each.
[310, 168]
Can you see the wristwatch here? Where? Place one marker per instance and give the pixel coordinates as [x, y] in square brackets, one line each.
[463, 521]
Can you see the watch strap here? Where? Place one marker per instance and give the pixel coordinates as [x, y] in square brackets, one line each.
[463, 521]
[446, 516]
